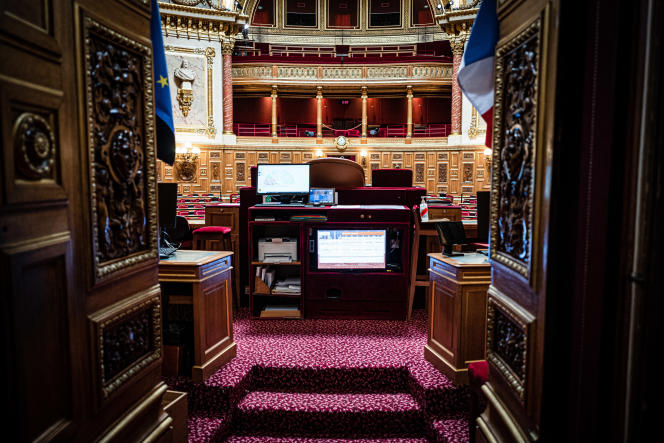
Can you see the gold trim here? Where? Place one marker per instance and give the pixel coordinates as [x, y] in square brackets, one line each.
[121, 426]
[526, 322]
[504, 413]
[521, 267]
[103, 270]
[209, 54]
[114, 314]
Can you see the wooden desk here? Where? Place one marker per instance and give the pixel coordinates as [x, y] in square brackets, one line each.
[202, 279]
[228, 214]
[457, 312]
[452, 213]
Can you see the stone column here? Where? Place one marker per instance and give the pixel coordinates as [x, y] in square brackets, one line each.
[364, 115]
[457, 43]
[409, 122]
[319, 114]
[274, 114]
[227, 83]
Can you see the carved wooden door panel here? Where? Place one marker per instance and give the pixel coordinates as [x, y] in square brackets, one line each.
[81, 314]
[523, 116]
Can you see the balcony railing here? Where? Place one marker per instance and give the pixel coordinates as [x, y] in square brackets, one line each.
[309, 130]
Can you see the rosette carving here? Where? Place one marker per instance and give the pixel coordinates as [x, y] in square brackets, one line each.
[34, 147]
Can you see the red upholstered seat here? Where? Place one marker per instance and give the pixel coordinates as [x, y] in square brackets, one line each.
[478, 372]
[216, 229]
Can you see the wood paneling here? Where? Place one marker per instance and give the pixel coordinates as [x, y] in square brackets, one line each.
[78, 218]
[437, 171]
[522, 134]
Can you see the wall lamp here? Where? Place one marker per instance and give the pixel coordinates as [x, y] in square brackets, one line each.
[363, 157]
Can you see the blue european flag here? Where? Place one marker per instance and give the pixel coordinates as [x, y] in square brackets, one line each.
[162, 94]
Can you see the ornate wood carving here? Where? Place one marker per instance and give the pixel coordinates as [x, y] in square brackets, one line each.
[128, 338]
[118, 73]
[508, 330]
[419, 173]
[239, 172]
[442, 172]
[215, 171]
[185, 171]
[517, 65]
[34, 147]
[467, 172]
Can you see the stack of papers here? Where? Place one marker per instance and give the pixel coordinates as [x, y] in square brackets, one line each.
[290, 285]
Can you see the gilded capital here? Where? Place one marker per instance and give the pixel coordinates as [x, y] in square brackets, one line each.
[319, 92]
[457, 43]
[227, 46]
[364, 92]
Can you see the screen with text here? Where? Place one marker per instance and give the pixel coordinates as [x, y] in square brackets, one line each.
[351, 249]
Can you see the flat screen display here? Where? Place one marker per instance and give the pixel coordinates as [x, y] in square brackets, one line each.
[351, 248]
[282, 179]
[321, 196]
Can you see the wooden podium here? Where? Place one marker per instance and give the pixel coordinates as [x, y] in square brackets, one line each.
[457, 312]
[202, 279]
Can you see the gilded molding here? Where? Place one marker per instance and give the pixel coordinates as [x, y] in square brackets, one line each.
[147, 302]
[255, 73]
[209, 54]
[102, 269]
[515, 150]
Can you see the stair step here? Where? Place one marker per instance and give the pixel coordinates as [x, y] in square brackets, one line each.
[271, 439]
[329, 415]
[330, 380]
[206, 428]
[453, 428]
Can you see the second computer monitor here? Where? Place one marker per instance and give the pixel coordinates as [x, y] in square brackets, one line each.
[280, 179]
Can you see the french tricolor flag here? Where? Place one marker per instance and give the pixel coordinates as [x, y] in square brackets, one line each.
[476, 71]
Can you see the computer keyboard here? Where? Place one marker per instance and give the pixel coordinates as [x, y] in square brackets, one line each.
[166, 251]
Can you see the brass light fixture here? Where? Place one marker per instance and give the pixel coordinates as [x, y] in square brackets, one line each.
[363, 157]
[487, 159]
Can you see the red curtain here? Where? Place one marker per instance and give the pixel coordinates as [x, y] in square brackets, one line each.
[342, 20]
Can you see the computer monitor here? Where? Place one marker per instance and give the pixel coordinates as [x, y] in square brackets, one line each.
[321, 196]
[282, 179]
[483, 210]
[451, 233]
[167, 195]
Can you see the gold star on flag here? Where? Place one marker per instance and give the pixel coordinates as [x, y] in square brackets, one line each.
[162, 81]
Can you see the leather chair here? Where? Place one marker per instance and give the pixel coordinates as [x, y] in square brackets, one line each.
[335, 173]
[392, 178]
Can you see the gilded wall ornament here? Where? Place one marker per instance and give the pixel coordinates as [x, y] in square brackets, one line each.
[34, 147]
[185, 77]
[185, 169]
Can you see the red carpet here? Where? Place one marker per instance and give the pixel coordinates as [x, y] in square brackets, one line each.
[327, 380]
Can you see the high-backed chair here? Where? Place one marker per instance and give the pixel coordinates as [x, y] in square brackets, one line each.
[392, 178]
[335, 173]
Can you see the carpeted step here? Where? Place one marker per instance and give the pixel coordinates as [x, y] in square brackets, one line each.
[331, 379]
[328, 415]
[208, 428]
[263, 439]
[453, 428]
